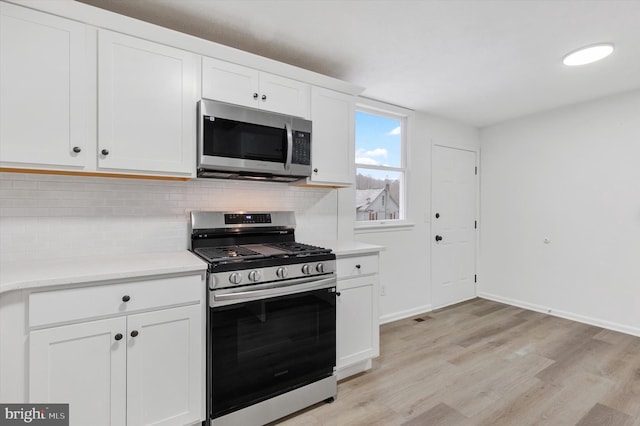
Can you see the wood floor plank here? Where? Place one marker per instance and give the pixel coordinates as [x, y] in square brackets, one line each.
[626, 370]
[586, 356]
[486, 363]
[441, 415]
[602, 415]
[488, 331]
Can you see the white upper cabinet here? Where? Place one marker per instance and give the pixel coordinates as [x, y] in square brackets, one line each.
[235, 84]
[93, 98]
[146, 106]
[227, 82]
[283, 95]
[42, 84]
[333, 116]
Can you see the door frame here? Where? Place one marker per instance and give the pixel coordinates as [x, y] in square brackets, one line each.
[476, 151]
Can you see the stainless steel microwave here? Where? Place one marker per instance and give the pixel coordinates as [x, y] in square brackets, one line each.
[236, 142]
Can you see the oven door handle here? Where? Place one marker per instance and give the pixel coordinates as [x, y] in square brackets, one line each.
[229, 296]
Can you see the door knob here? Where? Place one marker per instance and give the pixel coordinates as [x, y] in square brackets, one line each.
[438, 238]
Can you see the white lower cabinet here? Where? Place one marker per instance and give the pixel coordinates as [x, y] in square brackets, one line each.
[83, 365]
[163, 367]
[136, 369]
[358, 314]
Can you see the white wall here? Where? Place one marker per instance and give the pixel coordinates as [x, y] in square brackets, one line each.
[571, 175]
[404, 267]
[47, 216]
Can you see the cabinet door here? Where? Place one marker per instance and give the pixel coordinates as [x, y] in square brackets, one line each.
[227, 82]
[164, 367]
[146, 106]
[333, 116]
[358, 320]
[283, 95]
[42, 83]
[83, 365]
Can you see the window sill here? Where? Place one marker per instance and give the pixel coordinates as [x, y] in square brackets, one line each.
[382, 225]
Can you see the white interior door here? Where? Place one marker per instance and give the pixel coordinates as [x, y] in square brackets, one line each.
[453, 219]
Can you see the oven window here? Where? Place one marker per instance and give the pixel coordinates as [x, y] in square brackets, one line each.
[235, 139]
[263, 348]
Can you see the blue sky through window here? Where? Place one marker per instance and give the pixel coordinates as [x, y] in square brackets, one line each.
[377, 140]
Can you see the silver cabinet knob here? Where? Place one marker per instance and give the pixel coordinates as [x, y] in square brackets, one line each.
[305, 269]
[282, 272]
[320, 267]
[255, 276]
[235, 278]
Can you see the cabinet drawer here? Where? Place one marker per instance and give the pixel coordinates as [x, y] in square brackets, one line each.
[355, 266]
[73, 304]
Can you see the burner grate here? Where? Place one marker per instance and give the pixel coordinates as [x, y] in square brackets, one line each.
[293, 247]
[227, 253]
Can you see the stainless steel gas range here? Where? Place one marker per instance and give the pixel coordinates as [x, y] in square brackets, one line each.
[271, 340]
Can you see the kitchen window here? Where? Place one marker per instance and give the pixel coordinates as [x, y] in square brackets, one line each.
[380, 165]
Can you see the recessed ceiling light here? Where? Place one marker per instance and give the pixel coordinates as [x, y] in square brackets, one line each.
[586, 55]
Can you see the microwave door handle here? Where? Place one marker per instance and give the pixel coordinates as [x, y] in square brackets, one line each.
[287, 164]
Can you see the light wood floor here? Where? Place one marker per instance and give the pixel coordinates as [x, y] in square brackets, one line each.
[485, 363]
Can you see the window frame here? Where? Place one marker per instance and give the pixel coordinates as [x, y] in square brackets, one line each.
[405, 117]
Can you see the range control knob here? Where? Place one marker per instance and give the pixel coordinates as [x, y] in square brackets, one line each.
[305, 269]
[255, 276]
[235, 278]
[320, 267]
[282, 272]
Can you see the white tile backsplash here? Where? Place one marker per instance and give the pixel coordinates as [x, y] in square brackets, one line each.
[51, 216]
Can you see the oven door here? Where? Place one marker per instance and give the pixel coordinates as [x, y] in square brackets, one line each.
[268, 342]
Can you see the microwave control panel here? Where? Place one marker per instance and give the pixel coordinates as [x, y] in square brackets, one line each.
[301, 148]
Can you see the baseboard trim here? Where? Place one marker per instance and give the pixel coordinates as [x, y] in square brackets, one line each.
[405, 314]
[433, 308]
[634, 331]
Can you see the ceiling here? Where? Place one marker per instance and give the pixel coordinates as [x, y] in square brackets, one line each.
[478, 62]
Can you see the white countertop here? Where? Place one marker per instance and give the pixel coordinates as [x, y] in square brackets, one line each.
[34, 273]
[347, 248]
